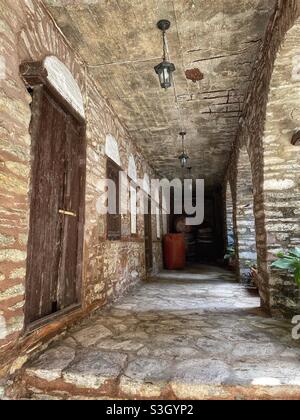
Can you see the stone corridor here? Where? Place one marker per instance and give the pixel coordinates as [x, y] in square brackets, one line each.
[184, 335]
[120, 121]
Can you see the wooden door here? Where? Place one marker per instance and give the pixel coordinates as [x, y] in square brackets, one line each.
[55, 244]
[148, 238]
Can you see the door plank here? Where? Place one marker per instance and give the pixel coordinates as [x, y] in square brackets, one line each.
[47, 195]
[72, 195]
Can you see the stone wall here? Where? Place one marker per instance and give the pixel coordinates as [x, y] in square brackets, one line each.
[252, 135]
[28, 34]
[245, 222]
[229, 216]
[282, 167]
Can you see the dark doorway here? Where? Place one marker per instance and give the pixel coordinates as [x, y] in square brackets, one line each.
[205, 242]
[55, 247]
[148, 238]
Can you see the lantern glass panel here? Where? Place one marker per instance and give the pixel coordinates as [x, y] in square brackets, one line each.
[164, 71]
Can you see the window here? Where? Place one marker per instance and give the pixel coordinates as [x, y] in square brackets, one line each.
[132, 175]
[133, 209]
[114, 220]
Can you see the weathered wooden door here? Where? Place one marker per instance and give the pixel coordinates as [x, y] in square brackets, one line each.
[55, 245]
[148, 238]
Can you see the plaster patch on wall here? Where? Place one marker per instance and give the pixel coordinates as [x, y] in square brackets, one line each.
[146, 184]
[296, 69]
[3, 329]
[112, 149]
[29, 4]
[62, 79]
[132, 172]
[2, 68]
[278, 185]
[134, 274]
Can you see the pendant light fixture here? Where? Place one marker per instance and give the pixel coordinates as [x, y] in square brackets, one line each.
[164, 69]
[183, 157]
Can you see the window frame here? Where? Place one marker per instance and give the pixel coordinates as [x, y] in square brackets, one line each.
[134, 186]
[110, 235]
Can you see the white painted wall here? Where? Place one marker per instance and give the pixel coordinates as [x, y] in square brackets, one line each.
[112, 149]
[146, 184]
[132, 172]
[63, 81]
[3, 329]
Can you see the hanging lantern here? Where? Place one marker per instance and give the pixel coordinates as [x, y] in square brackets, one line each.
[183, 157]
[165, 69]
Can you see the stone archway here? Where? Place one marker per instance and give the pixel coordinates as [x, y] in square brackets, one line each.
[282, 168]
[245, 220]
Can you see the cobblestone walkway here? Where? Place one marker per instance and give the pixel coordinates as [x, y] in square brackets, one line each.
[194, 335]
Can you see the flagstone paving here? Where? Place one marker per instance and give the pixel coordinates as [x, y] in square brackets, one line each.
[184, 335]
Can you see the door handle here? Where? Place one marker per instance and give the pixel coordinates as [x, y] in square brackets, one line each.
[67, 213]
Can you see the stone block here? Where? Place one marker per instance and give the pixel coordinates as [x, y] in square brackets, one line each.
[51, 364]
[92, 369]
[146, 377]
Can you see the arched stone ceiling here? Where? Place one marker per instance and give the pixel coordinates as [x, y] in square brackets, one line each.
[120, 42]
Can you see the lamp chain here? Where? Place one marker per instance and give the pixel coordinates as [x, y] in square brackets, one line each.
[164, 46]
[183, 148]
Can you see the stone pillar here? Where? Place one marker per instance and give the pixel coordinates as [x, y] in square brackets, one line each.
[282, 170]
[246, 232]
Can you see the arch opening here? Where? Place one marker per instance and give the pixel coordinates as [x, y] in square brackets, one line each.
[245, 221]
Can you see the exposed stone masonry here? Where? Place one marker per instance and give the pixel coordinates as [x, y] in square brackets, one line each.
[110, 268]
[270, 162]
[229, 213]
[263, 176]
[282, 167]
[246, 236]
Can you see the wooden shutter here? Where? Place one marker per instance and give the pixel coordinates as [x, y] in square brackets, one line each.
[114, 220]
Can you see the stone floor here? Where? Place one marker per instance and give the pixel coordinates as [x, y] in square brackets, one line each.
[185, 335]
